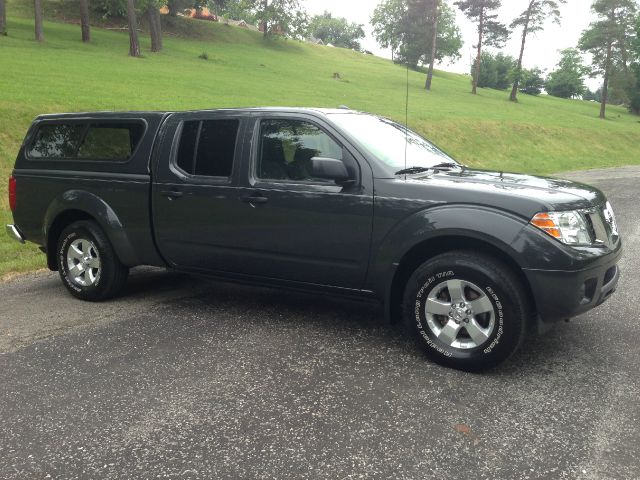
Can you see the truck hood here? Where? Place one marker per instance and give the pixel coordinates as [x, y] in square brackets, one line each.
[524, 195]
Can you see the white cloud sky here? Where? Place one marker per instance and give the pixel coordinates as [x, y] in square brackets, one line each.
[542, 49]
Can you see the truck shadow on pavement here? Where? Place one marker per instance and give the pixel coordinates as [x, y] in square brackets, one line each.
[249, 307]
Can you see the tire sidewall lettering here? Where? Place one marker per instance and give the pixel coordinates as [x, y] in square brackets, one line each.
[499, 319]
[418, 309]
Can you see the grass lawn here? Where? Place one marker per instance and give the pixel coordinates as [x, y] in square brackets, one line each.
[537, 135]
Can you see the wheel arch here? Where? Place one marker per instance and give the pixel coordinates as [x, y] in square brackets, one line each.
[427, 249]
[75, 205]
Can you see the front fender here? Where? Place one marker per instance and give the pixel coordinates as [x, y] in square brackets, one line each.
[90, 204]
[497, 228]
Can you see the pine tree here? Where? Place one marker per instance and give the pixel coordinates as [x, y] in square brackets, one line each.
[607, 39]
[532, 20]
[490, 31]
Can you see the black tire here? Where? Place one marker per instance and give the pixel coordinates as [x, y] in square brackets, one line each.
[110, 275]
[473, 272]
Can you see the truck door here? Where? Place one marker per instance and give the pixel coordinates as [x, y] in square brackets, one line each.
[195, 194]
[297, 227]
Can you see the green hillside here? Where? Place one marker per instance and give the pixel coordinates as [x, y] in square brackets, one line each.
[538, 135]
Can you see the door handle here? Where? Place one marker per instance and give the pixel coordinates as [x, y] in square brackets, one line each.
[255, 200]
[171, 194]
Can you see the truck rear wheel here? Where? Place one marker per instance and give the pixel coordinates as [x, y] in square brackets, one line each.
[87, 263]
[468, 311]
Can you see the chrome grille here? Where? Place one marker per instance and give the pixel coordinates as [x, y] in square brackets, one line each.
[603, 223]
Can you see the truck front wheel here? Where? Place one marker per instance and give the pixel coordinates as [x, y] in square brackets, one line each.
[467, 310]
[87, 263]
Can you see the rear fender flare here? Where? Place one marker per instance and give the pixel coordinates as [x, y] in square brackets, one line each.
[98, 209]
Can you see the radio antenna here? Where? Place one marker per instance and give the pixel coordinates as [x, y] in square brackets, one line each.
[406, 104]
[406, 120]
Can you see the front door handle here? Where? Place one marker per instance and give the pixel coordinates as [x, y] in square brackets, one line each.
[172, 194]
[255, 200]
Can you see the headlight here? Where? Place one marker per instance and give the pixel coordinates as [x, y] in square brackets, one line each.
[568, 227]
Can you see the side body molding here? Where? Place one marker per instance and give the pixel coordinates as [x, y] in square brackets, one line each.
[83, 201]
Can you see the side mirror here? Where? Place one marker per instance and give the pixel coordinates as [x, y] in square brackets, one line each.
[331, 169]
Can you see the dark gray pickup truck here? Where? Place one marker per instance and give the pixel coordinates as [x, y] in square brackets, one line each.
[326, 200]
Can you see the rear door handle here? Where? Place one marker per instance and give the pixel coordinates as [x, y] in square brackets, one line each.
[255, 200]
[171, 194]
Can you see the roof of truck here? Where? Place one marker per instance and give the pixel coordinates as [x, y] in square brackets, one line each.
[137, 113]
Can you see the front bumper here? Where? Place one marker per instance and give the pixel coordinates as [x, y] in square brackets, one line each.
[14, 233]
[561, 295]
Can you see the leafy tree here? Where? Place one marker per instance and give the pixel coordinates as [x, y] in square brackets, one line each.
[3, 17]
[532, 20]
[532, 81]
[237, 10]
[337, 31]
[495, 71]
[177, 6]
[567, 81]
[389, 24]
[490, 31]
[85, 28]
[277, 16]
[408, 27]
[134, 45]
[37, 9]
[607, 39]
[634, 87]
[595, 95]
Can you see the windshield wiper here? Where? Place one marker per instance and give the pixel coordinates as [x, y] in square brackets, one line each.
[412, 170]
[447, 165]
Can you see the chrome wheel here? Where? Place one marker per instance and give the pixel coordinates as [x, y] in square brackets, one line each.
[83, 262]
[460, 314]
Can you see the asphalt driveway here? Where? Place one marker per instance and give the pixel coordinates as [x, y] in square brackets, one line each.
[184, 378]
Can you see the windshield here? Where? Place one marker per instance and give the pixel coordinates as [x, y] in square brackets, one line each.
[386, 141]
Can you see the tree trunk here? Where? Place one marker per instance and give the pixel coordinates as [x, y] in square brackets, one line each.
[516, 81]
[605, 83]
[134, 46]
[265, 24]
[155, 32]
[158, 21]
[434, 44]
[84, 21]
[3, 17]
[37, 7]
[476, 75]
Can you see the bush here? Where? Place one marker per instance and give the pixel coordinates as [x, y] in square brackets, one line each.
[495, 71]
[204, 56]
[532, 81]
[109, 8]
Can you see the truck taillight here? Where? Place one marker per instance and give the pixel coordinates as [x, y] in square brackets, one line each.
[12, 193]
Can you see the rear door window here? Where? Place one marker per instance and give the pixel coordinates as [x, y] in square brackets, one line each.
[207, 147]
[97, 141]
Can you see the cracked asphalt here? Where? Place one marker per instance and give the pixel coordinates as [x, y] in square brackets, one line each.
[186, 378]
